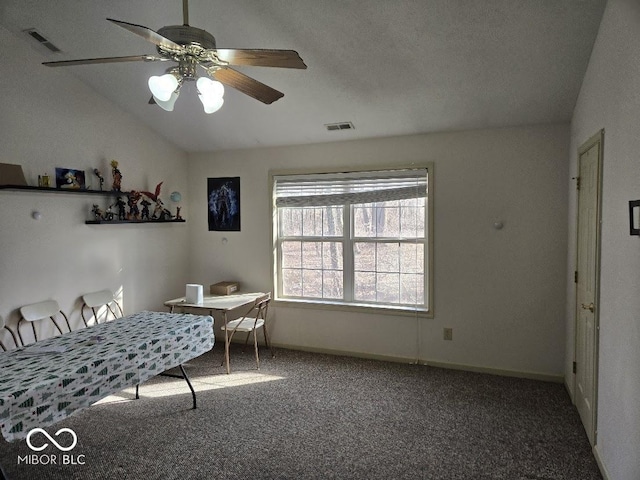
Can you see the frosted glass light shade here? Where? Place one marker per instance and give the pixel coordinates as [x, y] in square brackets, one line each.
[162, 87]
[167, 105]
[211, 104]
[210, 93]
[210, 88]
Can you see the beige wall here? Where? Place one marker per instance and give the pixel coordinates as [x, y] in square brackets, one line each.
[502, 291]
[610, 99]
[49, 119]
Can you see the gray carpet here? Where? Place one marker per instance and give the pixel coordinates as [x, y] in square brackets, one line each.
[313, 416]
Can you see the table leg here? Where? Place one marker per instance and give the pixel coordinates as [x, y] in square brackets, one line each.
[186, 378]
[226, 342]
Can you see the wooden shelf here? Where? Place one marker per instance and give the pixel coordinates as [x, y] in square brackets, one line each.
[31, 188]
[112, 222]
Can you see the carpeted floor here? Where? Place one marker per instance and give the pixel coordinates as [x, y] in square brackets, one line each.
[313, 416]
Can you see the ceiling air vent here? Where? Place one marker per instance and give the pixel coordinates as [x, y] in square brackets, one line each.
[339, 126]
[33, 33]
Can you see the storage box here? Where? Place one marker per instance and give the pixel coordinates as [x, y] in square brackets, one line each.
[224, 288]
[11, 174]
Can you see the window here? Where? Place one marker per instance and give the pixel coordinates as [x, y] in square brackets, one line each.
[358, 238]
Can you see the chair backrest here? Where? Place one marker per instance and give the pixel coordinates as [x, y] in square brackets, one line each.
[261, 306]
[96, 301]
[35, 312]
[4, 326]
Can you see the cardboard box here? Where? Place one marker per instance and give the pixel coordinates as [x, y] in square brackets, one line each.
[224, 288]
[11, 174]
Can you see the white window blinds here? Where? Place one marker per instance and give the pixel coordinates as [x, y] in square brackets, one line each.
[319, 190]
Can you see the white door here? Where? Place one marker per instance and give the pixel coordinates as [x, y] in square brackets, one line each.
[587, 279]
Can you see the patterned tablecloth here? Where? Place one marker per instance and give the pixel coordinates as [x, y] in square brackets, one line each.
[44, 382]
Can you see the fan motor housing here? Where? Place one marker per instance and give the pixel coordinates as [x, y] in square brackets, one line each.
[188, 36]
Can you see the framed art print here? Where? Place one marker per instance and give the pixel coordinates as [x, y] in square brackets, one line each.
[223, 198]
[69, 178]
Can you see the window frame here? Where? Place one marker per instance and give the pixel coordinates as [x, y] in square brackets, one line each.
[348, 240]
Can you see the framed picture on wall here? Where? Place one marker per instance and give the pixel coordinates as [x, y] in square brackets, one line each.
[223, 200]
[69, 178]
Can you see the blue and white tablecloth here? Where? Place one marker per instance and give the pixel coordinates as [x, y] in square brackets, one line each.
[44, 382]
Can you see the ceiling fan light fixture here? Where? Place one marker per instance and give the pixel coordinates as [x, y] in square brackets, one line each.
[211, 104]
[169, 104]
[162, 87]
[210, 93]
[210, 88]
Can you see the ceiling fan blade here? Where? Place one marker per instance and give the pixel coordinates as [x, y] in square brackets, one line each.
[148, 35]
[247, 85]
[88, 61]
[261, 57]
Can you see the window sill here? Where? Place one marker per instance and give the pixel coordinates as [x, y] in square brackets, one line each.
[354, 307]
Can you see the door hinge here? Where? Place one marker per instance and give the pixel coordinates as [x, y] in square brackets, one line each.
[578, 183]
[575, 277]
[574, 367]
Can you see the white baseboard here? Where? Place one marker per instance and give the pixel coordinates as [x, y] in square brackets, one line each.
[545, 377]
[453, 366]
[603, 469]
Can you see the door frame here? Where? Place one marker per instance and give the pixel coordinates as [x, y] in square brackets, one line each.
[596, 139]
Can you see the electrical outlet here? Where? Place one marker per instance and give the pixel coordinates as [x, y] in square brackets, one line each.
[448, 333]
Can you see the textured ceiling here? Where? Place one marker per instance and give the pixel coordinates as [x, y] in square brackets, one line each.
[390, 67]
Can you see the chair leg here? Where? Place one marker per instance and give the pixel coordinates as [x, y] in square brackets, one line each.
[246, 341]
[255, 346]
[266, 340]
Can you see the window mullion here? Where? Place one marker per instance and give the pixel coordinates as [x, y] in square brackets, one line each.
[347, 253]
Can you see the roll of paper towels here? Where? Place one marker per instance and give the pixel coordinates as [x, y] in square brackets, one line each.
[194, 293]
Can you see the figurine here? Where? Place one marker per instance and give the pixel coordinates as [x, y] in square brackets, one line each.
[158, 211]
[145, 209]
[121, 212]
[164, 215]
[134, 211]
[100, 177]
[117, 176]
[108, 214]
[178, 217]
[97, 212]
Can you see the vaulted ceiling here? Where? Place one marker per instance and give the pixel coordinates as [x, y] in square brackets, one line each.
[389, 67]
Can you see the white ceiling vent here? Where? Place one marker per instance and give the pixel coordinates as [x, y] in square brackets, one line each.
[33, 33]
[339, 126]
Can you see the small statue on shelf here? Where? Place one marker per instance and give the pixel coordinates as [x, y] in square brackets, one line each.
[155, 197]
[144, 215]
[108, 214]
[117, 176]
[178, 216]
[97, 212]
[121, 211]
[134, 211]
[159, 211]
[164, 215]
[100, 177]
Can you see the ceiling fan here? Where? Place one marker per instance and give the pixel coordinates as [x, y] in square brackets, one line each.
[191, 48]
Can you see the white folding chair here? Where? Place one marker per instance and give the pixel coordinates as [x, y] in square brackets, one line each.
[13, 336]
[251, 321]
[41, 311]
[102, 302]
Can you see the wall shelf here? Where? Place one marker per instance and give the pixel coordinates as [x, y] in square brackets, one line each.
[31, 188]
[112, 222]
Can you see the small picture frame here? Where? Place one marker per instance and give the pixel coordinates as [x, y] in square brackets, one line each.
[634, 217]
[70, 179]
